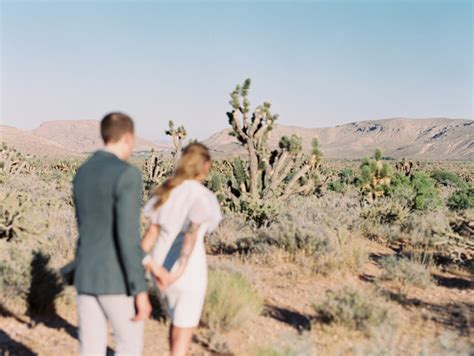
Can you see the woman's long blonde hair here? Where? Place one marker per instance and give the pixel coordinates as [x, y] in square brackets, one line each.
[190, 166]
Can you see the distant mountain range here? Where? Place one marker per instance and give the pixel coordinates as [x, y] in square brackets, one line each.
[64, 138]
[435, 138]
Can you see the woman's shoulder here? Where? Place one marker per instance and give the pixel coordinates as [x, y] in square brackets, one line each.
[199, 187]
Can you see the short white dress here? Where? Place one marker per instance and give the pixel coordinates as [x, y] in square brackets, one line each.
[188, 202]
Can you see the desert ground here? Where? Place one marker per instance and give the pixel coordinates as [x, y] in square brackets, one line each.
[332, 271]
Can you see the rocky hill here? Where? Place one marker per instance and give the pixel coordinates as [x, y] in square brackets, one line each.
[62, 138]
[437, 138]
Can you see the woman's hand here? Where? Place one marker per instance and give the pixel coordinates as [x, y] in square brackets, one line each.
[163, 278]
[166, 279]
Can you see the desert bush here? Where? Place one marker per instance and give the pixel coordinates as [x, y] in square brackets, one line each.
[230, 236]
[37, 221]
[427, 197]
[14, 269]
[230, 300]
[380, 220]
[422, 230]
[336, 186]
[17, 216]
[13, 162]
[345, 178]
[405, 271]
[462, 199]
[352, 309]
[417, 192]
[447, 178]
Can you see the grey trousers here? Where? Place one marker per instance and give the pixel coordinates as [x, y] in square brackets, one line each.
[94, 311]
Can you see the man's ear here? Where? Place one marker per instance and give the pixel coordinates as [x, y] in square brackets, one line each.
[129, 138]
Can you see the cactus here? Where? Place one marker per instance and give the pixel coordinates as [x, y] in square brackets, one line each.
[13, 162]
[14, 220]
[375, 177]
[405, 167]
[178, 135]
[155, 169]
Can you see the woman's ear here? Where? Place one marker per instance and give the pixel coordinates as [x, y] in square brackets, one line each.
[207, 167]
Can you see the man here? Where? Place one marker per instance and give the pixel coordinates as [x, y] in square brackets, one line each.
[109, 275]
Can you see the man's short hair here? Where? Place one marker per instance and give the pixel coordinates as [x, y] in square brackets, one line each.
[114, 125]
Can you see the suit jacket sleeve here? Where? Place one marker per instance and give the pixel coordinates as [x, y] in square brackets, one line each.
[127, 209]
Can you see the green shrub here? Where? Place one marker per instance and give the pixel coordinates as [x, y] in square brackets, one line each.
[447, 178]
[417, 192]
[230, 300]
[352, 309]
[405, 271]
[461, 199]
[336, 186]
[427, 197]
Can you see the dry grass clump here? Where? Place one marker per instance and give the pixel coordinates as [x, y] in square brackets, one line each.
[313, 232]
[353, 309]
[287, 345]
[230, 300]
[231, 236]
[405, 271]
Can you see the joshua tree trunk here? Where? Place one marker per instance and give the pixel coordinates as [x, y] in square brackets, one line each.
[253, 161]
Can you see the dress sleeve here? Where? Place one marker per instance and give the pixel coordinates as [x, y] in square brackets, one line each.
[206, 209]
[152, 214]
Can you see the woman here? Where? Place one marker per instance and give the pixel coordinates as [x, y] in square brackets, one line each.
[180, 213]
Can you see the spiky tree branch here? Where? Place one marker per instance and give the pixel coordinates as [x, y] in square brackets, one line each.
[178, 135]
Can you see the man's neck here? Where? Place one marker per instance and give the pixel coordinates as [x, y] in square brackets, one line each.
[114, 150]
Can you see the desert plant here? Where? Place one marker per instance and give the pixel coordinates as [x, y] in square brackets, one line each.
[405, 271]
[230, 300]
[462, 199]
[352, 308]
[287, 345]
[267, 175]
[426, 194]
[405, 167]
[447, 178]
[155, 169]
[416, 192]
[178, 135]
[15, 219]
[345, 178]
[13, 162]
[375, 177]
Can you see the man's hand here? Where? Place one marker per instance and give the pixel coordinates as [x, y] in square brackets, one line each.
[142, 307]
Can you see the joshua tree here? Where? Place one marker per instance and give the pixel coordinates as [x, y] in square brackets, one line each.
[15, 216]
[280, 173]
[404, 166]
[155, 169]
[13, 162]
[375, 175]
[178, 135]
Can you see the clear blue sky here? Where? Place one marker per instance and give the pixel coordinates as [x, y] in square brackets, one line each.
[320, 63]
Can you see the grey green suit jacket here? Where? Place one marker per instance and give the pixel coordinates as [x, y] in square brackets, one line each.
[107, 197]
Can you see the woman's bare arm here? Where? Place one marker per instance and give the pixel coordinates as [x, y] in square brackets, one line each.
[151, 235]
[188, 245]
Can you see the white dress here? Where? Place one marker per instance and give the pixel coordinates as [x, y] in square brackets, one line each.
[188, 202]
